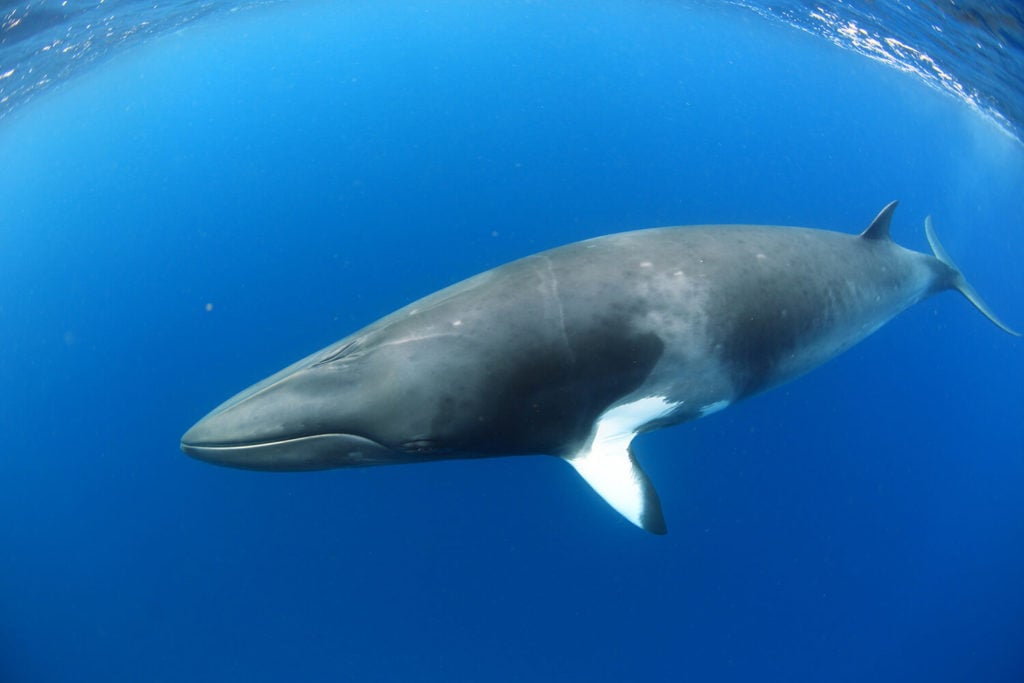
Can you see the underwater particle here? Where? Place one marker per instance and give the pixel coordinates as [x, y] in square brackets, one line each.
[208, 307]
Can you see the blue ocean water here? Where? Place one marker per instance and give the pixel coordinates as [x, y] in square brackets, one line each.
[184, 217]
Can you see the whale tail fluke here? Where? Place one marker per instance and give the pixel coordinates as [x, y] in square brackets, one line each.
[960, 283]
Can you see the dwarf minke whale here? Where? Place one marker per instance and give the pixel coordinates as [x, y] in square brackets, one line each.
[575, 351]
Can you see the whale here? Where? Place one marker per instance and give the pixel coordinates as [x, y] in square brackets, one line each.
[575, 351]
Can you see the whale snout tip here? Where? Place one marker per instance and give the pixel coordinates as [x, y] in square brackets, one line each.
[193, 440]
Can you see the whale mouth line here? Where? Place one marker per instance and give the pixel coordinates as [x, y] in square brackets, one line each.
[189, 446]
[309, 452]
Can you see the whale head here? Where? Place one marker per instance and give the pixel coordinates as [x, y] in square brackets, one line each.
[318, 413]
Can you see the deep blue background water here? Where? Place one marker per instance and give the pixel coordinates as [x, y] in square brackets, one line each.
[302, 170]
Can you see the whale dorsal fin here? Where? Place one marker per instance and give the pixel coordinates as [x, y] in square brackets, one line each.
[607, 463]
[879, 228]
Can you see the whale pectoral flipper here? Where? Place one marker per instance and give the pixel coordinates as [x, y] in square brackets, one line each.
[617, 478]
[607, 463]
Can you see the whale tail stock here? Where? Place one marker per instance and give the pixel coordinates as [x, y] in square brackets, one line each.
[960, 283]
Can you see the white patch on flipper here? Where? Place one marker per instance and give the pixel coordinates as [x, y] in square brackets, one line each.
[624, 421]
[607, 464]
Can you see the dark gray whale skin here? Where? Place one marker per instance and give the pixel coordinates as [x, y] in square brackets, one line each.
[573, 351]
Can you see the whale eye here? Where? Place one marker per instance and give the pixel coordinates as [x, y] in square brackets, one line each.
[418, 446]
[423, 446]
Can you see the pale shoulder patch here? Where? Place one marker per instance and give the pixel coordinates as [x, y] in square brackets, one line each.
[713, 408]
[608, 465]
